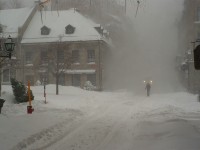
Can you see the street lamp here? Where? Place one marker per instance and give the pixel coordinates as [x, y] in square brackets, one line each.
[9, 47]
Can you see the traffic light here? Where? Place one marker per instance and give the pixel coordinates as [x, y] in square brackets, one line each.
[197, 58]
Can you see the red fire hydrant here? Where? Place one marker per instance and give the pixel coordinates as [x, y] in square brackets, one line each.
[30, 109]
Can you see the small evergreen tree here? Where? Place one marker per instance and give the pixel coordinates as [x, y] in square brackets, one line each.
[20, 91]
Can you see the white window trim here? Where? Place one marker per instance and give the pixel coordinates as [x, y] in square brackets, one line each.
[3, 75]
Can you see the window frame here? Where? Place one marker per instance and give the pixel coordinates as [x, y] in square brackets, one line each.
[69, 29]
[92, 79]
[75, 82]
[198, 14]
[29, 57]
[61, 55]
[45, 30]
[75, 56]
[44, 57]
[61, 79]
[1, 29]
[91, 55]
[8, 75]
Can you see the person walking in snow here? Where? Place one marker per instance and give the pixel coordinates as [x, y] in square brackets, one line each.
[148, 87]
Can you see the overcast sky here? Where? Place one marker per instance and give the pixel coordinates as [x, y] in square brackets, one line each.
[156, 26]
[153, 47]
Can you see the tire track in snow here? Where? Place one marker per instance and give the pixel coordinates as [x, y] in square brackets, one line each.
[131, 115]
[49, 135]
[53, 134]
[97, 131]
[90, 131]
[101, 120]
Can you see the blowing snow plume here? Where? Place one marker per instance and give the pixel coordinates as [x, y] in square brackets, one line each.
[149, 48]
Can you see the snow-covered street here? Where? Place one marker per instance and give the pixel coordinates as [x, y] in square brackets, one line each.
[104, 75]
[84, 120]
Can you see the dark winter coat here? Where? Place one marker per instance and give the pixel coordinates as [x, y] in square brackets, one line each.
[148, 86]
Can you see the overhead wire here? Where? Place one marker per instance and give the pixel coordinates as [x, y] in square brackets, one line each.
[138, 4]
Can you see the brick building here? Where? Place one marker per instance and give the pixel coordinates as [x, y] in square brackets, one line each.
[63, 45]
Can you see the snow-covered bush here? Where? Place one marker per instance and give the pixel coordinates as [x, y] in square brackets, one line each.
[38, 83]
[88, 86]
[20, 91]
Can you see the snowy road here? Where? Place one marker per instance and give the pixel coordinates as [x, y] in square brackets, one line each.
[134, 125]
[82, 120]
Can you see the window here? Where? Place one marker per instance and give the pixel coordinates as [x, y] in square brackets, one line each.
[44, 57]
[61, 80]
[1, 48]
[91, 56]
[99, 29]
[12, 73]
[45, 30]
[1, 29]
[69, 29]
[92, 78]
[29, 57]
[198, 14]
[6, 75]
[198, 35]
[60, 54]
[29, 78]
[43, 79]
[75, 56]
[76, 80]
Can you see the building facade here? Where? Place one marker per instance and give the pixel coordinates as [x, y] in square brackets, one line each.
[59, 46]
[189, 35]
[12, 23]
[73, 62]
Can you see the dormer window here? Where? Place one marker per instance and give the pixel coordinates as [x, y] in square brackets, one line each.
[45, 30]
[69, 29]
[99, 29]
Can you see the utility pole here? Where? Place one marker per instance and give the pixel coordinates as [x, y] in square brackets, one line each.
[138, 3]
[57, 73]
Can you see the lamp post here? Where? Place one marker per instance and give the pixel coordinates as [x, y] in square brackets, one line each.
[9, 47]
[7, 51]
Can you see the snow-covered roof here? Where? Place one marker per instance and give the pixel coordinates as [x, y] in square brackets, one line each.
[12, 19]
[57, 21]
